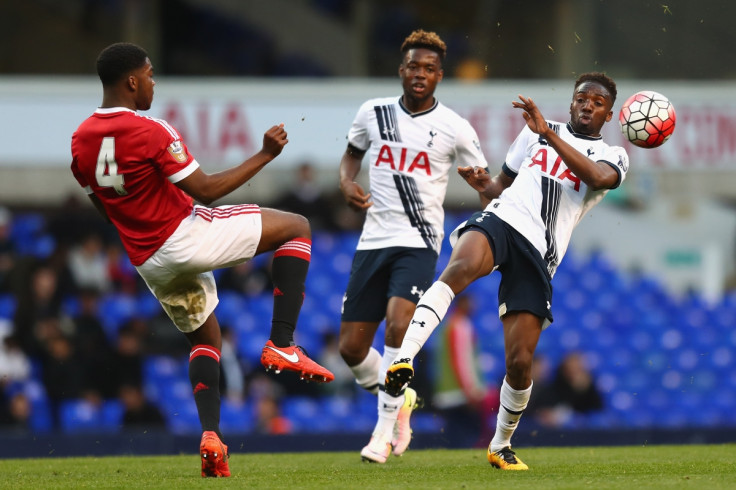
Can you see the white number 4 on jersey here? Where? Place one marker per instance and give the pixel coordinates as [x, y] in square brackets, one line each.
[106, 171]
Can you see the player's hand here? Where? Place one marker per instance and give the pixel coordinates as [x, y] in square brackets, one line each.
[274, 140]
[356, 197]
[476, 177]
[532, 115]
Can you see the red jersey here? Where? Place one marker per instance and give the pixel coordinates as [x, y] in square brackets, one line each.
[131, 162]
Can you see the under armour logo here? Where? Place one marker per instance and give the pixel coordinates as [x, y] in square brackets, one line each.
[432, 134]
[421, 324]
[418, 292]
[390, 408]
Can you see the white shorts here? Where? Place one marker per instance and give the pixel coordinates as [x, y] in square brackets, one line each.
[180, 275]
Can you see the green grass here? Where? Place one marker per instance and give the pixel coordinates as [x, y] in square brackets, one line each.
[629, 468]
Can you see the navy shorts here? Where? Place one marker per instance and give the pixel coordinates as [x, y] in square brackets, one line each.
[380, 274]
[525, 283]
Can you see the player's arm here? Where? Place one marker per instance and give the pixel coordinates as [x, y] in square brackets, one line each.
[354, 194]
[596, 175]
[99, 207]
[207, 188]
[488, 188]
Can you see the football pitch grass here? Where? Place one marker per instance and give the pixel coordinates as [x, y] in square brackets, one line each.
[627, 467]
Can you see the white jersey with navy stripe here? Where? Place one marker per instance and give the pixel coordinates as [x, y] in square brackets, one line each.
[410, 157]
[546, 200]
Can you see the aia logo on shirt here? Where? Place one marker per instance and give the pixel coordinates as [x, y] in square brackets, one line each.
[403, 162]
[176, 150]
[556, 169]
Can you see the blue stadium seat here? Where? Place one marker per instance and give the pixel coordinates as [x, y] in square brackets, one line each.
[230, 306]
[182, 418]
[111, 415]
[79, 415]
[236, 417]
[7, 306]
[160, 373]
[116, 308]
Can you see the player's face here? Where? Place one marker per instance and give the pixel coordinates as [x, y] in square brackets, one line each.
[590, 108]
[420, 72]
[144, 86]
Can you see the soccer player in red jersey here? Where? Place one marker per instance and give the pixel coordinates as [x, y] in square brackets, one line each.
[140, 175]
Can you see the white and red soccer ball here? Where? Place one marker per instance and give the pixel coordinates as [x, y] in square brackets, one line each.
[647, 119]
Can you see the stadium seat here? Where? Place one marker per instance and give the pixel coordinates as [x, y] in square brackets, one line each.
[303, 413]
[118, 308]
[236, 418]
[7, 306]
[77, 416]
[182, 418]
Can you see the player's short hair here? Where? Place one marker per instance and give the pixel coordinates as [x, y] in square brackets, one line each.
[423, 39]
[116, 61]
[601, 78]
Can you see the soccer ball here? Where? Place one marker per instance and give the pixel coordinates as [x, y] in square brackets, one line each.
[647, 119]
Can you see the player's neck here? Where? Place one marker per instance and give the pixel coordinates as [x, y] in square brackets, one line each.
[414, 105]
[112, 100]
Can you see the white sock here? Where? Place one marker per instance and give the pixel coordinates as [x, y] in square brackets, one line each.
[368, 372]
[388, 413]
[389, 356]
[513, 403]
[430, 311]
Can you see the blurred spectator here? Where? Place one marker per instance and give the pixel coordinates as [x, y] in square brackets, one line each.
[232, 377]
[307, 198]
[250, 278]
[75, 218]
[127, 366]
[163, 339]
[269, 419]
[571, 390]
[138, 412]
[266, 394]
[88, 263]
[63, 374]
[14, 363]
[344, 383]
[462, 396]
[38, 312]
[121, 273]
[7, 250]
[471, 70]
[92, 346]
[15, 410]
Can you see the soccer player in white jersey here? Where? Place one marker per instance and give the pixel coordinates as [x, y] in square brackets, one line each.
[412, 142]
[553, 174]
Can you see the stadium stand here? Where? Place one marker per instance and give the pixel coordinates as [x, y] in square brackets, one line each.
[660, 361]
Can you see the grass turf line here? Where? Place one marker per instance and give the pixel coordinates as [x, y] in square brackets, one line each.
[651, 467]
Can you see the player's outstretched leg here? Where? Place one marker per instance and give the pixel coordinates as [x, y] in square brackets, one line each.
[214, 456]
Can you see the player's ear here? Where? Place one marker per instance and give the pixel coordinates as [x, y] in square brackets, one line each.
[609, 116]
[440, 75]
[132, 83]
